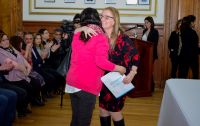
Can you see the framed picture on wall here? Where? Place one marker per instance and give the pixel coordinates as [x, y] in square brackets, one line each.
[69, 1]
[49, 1]
[89, 1]
[128, 2]
[143, 2]
[110, 1]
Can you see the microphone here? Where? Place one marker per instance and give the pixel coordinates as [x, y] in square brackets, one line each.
[140, 26]
[135, 26]
[131, 28]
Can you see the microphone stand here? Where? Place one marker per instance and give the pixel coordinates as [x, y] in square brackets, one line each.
[131, 28]
[135, 27]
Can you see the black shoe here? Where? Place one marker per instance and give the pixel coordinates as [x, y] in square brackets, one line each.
[38, 102]
[28, 111]
[48, 95]
[21, 114]
[44, 99]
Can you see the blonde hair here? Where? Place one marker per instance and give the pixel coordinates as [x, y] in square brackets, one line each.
[116, 28]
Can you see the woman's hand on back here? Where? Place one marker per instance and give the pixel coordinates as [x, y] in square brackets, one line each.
[87, 31]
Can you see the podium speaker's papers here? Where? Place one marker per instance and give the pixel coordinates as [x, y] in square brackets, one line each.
[114, 82]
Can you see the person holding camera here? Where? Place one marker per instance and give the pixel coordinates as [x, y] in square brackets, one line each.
[76, 21]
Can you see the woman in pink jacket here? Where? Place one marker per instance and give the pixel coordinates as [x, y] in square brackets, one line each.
[89, 59]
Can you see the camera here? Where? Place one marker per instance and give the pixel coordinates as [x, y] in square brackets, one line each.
[67, 26]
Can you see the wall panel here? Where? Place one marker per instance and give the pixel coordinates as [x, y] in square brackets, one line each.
[10, 17]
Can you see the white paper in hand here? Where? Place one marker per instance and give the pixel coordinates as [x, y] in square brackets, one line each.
[114, 82]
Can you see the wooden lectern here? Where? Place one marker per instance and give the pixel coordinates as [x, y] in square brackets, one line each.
[143, 79]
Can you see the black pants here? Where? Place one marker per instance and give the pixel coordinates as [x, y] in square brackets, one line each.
[82, 108]
[22, 100]
[52, 79]
[8, 100]
[27, 87]
[184, 68]
[175, 63]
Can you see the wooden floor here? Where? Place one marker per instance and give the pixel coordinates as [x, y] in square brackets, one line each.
[137, 112]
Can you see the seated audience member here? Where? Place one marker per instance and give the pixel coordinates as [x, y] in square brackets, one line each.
[51, 77]
[21, 93]
[20, 34]
[52, 47]
[8, 100]
[18, 76]
[36, 78]
[58, 50]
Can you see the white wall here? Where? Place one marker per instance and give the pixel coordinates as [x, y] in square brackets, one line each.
[38, 10]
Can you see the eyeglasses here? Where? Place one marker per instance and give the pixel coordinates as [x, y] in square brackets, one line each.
[106, 17]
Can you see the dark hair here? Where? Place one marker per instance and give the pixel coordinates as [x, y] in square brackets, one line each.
[191, 18]
[58, 30]
[76, 18]
[2, 33]
[28, 33]
[150, 19]
[16, 42]
[186, 22]
[41, 31]
[89, 16]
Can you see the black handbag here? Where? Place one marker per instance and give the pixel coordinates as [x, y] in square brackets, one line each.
[64, 66]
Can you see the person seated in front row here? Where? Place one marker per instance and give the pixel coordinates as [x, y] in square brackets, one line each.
[8, 99]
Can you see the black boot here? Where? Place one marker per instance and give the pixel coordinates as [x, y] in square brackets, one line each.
[119, 123]
[38, 101]
[105, 121]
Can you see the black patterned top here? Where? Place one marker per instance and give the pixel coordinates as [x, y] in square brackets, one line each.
[124, 53]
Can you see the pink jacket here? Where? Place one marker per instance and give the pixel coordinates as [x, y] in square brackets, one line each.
[88, 62]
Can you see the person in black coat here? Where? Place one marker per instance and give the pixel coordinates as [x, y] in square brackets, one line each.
[190, 47]
[174, 46]
[151, 34]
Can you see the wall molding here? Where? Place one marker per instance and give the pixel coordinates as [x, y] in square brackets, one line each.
[53, 9]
